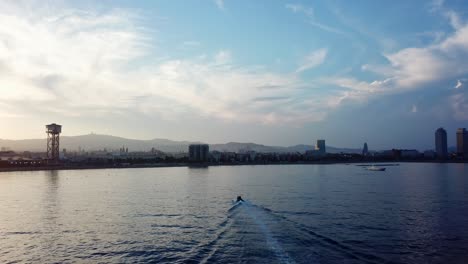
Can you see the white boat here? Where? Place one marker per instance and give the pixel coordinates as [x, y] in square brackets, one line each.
[375, 168]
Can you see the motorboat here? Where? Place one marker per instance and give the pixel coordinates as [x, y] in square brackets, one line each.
[375, 168]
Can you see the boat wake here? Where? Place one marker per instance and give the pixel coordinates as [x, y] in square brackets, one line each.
[255, 234]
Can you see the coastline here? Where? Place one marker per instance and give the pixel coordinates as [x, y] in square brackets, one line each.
[205, 165]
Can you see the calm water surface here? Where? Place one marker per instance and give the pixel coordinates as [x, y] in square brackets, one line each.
[412, 213]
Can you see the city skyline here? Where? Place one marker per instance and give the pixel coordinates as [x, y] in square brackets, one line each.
[282, 73]
[441, 148]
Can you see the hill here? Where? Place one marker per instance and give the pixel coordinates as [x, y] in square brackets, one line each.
[99, 142]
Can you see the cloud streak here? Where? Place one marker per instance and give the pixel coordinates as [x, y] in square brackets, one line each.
[312, 60]
[309, 13]
[297, 8]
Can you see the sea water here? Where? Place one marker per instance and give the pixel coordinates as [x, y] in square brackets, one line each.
[411, 213]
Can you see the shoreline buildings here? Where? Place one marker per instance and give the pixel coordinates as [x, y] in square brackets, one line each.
[441, 143]
[462, 142]
[199, 152]
[320, 146]
[319, 151]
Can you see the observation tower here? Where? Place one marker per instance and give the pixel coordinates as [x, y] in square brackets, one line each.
[53, 140]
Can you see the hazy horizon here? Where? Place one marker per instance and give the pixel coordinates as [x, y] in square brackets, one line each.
[276, 73]
[163, 139]
[101, 141]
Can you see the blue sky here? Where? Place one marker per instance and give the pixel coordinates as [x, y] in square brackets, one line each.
[273, 72]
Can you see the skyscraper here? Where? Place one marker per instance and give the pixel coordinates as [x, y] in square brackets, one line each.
[441, 143]
[320, 146]
[462, 142]
[365, 150]
[199, 152]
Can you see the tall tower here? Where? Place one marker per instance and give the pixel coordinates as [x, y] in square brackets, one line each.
[365, 150]
[441, 143]
[462, 142]
[320, 146]
[53, 140]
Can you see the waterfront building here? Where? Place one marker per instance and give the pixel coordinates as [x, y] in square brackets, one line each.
[365, 150]
[409, 153]
[462, 142]
[320, 146]
[429, 154]
[216, 155]
[199, 152]
[441, 143]
[318, 151]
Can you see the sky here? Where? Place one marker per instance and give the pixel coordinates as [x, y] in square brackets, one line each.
[388, 73]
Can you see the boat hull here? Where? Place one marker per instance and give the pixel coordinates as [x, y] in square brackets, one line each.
[376, 169]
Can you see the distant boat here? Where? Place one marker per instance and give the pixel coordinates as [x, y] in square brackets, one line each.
[374, 168]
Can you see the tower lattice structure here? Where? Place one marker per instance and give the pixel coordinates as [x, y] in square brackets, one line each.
[53, 142]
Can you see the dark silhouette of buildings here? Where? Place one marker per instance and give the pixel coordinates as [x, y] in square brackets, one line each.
[441, 143]
[462, 142]
[199, 152]
[319, 151]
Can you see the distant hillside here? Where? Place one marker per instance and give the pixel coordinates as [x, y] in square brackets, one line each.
[97, 142]
[237, 147]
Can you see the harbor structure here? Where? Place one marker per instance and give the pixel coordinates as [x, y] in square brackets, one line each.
[53, 142]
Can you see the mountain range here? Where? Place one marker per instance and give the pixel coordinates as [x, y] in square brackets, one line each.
[93, 142]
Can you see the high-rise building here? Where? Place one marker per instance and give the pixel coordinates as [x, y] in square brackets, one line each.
[365, 150]
[441, 143]
[320, 146]
[462, 142]
[199, 152]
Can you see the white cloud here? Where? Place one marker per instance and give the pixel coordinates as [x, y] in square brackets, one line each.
[230, 93]
[414, 109]
[84, 63]
[64, 52]
[436, 5]
[219, 4]
[76, 62]
[357, 90]
[459, 103]
[454, 19]
[417, 66]
[312, 60]
[297, 8]
[413, 68]
[223, 57]
[326, 28]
